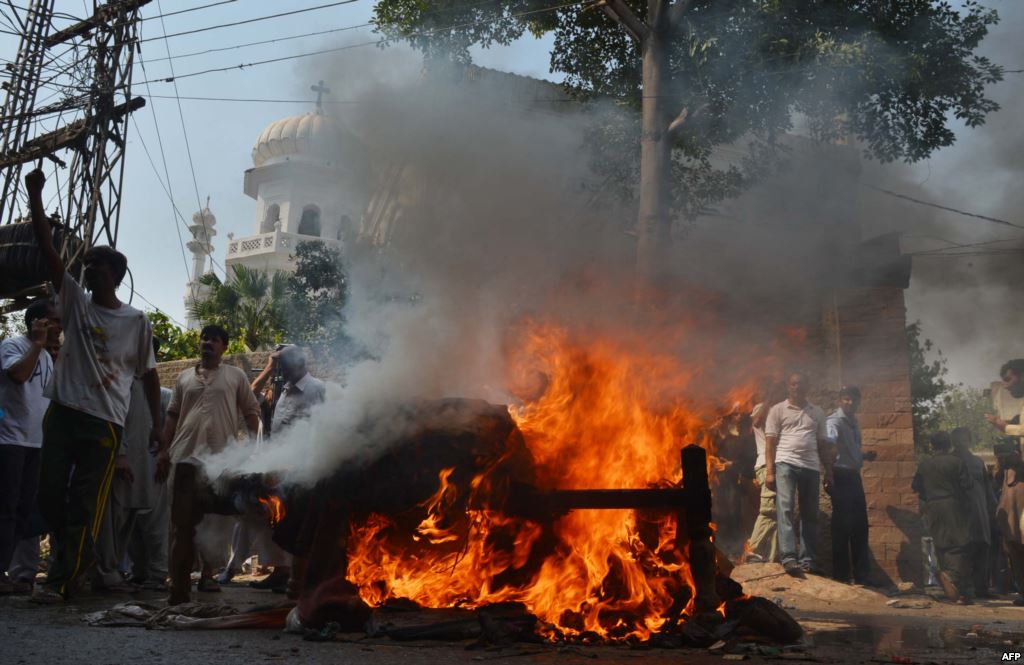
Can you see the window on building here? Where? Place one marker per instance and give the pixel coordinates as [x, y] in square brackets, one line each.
[309, 225]
[345, 230]
[272, 215]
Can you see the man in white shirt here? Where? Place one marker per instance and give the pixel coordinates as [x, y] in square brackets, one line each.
[138, 504]
[796, 453]
[25, 367]
[107, 345]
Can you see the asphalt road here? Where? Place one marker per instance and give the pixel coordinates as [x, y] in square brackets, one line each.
[31, 634]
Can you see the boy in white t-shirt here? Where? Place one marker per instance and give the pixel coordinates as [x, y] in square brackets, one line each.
[107, 344]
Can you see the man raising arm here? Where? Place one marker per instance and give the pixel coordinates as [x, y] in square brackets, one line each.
[104, 291]
[107, 344]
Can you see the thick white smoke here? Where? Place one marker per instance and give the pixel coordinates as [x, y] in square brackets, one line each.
[497, 219]
[485, 210]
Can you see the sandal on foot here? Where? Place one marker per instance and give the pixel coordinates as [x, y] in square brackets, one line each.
[208, 585]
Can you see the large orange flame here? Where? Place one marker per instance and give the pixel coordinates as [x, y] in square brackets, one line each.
[600, 413]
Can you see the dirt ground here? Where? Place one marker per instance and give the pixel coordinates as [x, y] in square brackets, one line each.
[843, 624]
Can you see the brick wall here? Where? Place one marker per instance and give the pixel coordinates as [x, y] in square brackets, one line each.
[252, 363]
[169, 371]
[868, 348]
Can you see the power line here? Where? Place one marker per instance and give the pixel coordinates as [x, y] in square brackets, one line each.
[992, 252]
[150, 303]
[905, 197]
[175, 213]
[265, 41]
[246, 21]
[188, 148]
[325, 102]
[957, 248]
[306, 34]
[190, 9]
[378, 42]
[254, 100]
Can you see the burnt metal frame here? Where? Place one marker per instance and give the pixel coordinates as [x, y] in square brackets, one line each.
[691, 503]
[194, 497]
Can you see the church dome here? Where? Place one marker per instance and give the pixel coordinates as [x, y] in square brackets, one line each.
[307, 137]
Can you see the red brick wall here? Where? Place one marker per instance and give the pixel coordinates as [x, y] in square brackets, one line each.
[868, 348]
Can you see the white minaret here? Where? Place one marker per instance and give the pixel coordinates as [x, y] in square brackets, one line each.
[201, 248]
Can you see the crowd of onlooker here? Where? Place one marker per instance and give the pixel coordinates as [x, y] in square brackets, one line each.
[90, 444]
[779, 456]
[90, 441]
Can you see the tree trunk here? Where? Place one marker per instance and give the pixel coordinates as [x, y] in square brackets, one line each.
[654, 219]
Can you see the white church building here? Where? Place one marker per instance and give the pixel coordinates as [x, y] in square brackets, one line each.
[309, 181]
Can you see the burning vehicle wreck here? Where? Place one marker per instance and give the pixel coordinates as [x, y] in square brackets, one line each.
[454, 514]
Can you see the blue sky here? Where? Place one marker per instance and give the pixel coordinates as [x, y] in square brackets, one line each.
[220, 135]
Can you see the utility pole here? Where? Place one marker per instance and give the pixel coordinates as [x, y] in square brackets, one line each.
[103, 48]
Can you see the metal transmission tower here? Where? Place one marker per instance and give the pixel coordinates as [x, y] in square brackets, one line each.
[22, 89]
[95, 58]
[97, 170]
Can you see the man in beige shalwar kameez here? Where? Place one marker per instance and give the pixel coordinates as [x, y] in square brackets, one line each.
[208, 402]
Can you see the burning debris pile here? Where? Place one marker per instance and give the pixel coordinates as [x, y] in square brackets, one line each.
[583, 513]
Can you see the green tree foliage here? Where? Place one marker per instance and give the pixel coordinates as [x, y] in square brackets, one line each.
[176, 343]
[964, 406]
[316, 295]
[928, 386]
[251, 306]
[8, 326]
[893, 75]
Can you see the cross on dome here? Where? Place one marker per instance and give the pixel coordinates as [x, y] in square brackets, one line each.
[320, 89]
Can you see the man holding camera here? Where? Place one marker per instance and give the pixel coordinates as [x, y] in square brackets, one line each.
[295, 393]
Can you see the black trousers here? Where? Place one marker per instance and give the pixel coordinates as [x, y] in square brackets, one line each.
[19, 480]
[980, 571]
[851, 555]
